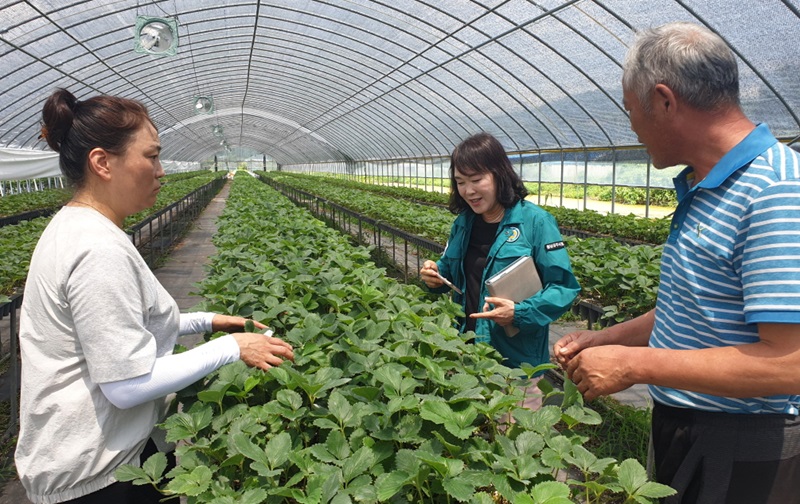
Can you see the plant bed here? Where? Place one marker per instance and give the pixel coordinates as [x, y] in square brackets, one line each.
[385, 402]
[593, 313]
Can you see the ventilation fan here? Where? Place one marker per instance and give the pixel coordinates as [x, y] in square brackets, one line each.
[217, 130]
[158, 36]
[203, 105]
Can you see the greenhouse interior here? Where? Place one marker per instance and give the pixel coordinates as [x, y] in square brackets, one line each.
[311, 188]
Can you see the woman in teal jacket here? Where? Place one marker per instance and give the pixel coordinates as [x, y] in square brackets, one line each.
[494, 227]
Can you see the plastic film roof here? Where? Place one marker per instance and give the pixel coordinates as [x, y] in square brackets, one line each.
[305, 81]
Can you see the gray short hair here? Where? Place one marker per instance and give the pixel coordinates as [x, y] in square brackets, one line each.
[691, 59]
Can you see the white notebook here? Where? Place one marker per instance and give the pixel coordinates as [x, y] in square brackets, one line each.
[517, 281]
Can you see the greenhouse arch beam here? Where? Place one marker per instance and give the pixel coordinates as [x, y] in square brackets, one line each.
[745, 60]
[416, 79]
[421, 119]
[77, 43]
[362, 90]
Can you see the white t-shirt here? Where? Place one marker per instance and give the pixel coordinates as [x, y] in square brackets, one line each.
[92, 313]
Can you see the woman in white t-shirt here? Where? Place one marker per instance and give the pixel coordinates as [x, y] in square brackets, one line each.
[97, 329]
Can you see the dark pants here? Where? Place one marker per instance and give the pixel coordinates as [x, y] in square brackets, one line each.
[126, 492]
[723, 458]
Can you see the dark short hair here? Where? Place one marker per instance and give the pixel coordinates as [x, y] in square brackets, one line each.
[483, 153]
[73, 128]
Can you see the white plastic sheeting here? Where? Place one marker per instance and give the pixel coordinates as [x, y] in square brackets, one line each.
[179, 166]
[359, 80]
[23, 164]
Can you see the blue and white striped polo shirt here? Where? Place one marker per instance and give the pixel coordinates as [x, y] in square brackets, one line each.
[732, 260]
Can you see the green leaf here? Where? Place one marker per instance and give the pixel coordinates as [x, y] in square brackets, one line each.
[191, 484]
[408, 429]
[337, 445]
[185, 425]
[545, 386]
[529, 444]
[212, 395]
[653, 490]
[463, 381]
[532, 370]
[631, 475]
[155, 465]
[571, 394]
[340, 408]
[408, 462]
[358, 463]
[583, 415]
[403, 403]
[551, 492]
[252, 496]
[289, 398]
[484, 498]
[249, 449]
[324, 379]
[135, 474]
[461, 488]
[437, 412]
[390, 484]
[341, 498]
[446, 467]
[278, 449]
[544, 419]
[322, 453]
[251, 382]
[457, 422]
[326, 424]
[362, 489]
[582, 458]
[391, 375]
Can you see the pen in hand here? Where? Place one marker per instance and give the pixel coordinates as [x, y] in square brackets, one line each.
[448, 283]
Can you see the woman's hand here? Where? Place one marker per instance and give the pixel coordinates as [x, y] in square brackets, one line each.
[262, 351]
[502, 313]
[428, 274]
[230, 323]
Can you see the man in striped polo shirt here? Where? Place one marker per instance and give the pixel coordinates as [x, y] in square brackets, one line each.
[721, 350]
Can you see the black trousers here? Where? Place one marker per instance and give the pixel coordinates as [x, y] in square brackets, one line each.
[723, 458]
[125, 492]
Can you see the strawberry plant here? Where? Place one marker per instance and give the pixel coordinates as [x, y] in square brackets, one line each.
[622, 279]
[16, 246]
[18, 241]
[385, 402]
[626, 227]
[13, 204]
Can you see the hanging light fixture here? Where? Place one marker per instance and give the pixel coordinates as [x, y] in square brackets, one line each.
[157, 36]
[203, 105]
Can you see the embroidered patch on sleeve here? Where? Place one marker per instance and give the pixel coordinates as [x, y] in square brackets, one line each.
[554, 246]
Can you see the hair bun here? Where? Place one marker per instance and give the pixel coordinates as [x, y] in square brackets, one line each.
[57, 117]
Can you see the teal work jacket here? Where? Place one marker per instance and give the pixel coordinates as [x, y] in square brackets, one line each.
[526, 229]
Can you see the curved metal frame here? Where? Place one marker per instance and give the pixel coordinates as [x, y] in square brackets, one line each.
[361, 82]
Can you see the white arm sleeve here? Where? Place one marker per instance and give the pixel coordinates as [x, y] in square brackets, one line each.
[195, 322]
[171, 373]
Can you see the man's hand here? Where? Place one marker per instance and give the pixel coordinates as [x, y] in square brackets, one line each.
[570, 345]
[602, 370]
